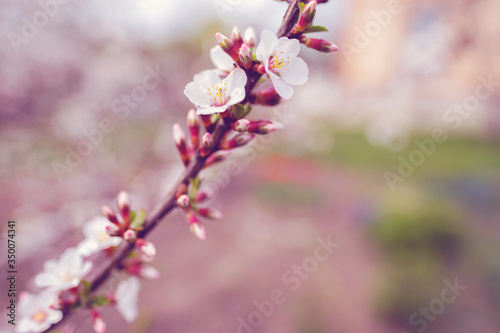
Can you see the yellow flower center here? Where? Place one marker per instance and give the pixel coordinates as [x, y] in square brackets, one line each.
[278, 63]
[217, 94]
[39, 316]
[102, 236]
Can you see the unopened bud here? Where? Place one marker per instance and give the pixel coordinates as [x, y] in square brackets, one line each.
[267, 97]
[207, 144]
[227, 46]
[183, 201]
[321, 45]
[261, 69]
[180, 143]
[110, 214]
[123, 203]
[210, 213]
[203, 195]
[149, 272]
[112, 230]
[194, 128]
[241, 125]
[97, 322]
[238, 140]
[246, 56]
[147, 248]
[209, 121]
[218, 156]
[262, 127]
[195, 226]
[130, 235]
[306, 17]
[250, 37]
[236, 38]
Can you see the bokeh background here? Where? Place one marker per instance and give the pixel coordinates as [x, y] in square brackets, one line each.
[349, 164]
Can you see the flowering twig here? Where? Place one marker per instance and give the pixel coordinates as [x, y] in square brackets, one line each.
[247, 74]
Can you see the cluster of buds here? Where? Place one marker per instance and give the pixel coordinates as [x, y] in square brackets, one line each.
[305, 25]
[188, 199]
[127, 224]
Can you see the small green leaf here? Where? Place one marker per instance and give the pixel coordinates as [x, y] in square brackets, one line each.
[100, 300]
[132, 215]
[86, 286]
[302, 6]
[315, 28]
[138, 220]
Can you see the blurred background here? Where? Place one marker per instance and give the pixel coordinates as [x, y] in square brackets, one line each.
[391, 151]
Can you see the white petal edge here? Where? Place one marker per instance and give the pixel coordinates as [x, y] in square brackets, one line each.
[298, 74]
[221, 59]
[282, 88]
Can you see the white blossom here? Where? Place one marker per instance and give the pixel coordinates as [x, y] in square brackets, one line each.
[64, 273]
[279, 57]
[35, 312]
[97, 237]
[126, 295]
[211, 94]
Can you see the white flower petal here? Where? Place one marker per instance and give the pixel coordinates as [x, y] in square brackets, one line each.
[282, 88]
[289, 47]
[195, 94]
[268, 41]
[126, 296]
[221, 59]
[203, 110]
[207, 78]
[298, 73]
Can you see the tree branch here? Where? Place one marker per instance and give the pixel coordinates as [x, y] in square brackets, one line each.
[191, 172]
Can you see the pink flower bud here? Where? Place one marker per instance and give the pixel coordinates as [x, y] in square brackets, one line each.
[267, 97]
[97, 322]
[180, 142]
[246, 56]
[210, 213]
[195, 226]
[147, 248]
[183, 201]
[238, 140]
[123, 203]
[207, 144]
[227, 46]
[321, 45]
[208, 122]
[306, 17]
[112, 230]
[236, 38]
[130, 235]
[203, 195]
[261, 69]
[218, 156]
[149, 272]
[262, 127]
[194, 128]
[110, 214]
[241, 125]
[250, 37]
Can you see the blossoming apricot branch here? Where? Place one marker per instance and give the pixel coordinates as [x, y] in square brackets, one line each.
[246, 74]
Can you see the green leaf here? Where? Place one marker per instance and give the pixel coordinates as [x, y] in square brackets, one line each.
[315, 28]
[302, 6]
[193, 189]
[132, 215]
[138, 220]
[100, 300]
[86, 287]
